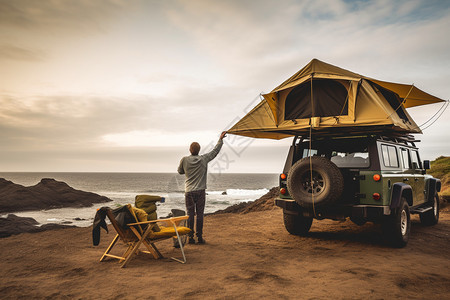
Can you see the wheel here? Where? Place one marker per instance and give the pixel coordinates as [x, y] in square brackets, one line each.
[358, 221]
[297, 224]
[397, 226]
[431, 217]
[323, 185]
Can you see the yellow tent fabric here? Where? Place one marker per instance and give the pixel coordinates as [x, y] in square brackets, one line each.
[332, 100]
[413, 95]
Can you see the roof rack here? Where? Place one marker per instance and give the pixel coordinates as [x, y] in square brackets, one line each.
[405, 139]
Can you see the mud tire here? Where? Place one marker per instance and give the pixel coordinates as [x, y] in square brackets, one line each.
[397, 226]
[297, 224]
[431, 217]
[328, 182]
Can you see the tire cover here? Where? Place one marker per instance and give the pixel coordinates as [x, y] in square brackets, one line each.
[328, 182]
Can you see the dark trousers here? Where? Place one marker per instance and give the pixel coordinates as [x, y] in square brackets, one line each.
[195, 205]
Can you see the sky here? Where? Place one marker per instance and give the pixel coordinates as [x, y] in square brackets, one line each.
[127, 85]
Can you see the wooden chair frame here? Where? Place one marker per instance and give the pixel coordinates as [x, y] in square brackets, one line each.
[141, 233]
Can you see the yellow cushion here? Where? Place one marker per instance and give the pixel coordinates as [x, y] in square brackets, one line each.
[170, 231]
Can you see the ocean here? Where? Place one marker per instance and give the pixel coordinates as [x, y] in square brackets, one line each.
[223, 191]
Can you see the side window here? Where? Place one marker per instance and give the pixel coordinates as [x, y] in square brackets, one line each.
[405, 159]
[416, 159]
[390, 158]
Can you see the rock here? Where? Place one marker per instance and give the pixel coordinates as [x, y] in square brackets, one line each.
[14, 225]
[224, 193]
[47, 194]
[266, 202]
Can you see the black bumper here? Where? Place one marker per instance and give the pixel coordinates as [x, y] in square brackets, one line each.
[287, 204]
[367, 212]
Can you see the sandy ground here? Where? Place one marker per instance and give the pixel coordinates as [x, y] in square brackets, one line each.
[246, 256]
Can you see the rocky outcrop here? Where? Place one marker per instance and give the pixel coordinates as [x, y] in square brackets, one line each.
[47, 194]
[14, 225]
[266, 202]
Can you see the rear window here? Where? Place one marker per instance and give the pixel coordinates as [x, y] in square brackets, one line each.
[351, 159]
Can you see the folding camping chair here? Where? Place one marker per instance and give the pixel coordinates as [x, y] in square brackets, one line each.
[137, 233]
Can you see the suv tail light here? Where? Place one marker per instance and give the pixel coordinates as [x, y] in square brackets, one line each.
[283, 191]
[376, 196]
[377, 177]
[283, 176]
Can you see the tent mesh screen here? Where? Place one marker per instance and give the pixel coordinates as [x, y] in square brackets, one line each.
[393, 99]
[329, 100]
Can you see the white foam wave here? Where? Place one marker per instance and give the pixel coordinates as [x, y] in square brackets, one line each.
[243, 192]
[116, 194]
[214, 192]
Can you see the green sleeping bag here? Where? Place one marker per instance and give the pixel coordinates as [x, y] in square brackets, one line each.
[148, 204]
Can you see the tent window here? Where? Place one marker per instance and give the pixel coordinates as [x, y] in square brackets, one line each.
[329, 100]
[393, 100]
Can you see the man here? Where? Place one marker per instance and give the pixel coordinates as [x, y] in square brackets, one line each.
[195, 168]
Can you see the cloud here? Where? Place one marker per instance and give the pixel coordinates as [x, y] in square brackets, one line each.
[263, 44]
[58, 121]
[158, 138]
[89, 77]
[76, 16]
[12, 52]
[65, 121]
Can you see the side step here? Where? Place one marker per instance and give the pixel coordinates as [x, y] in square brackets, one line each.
[420, 210]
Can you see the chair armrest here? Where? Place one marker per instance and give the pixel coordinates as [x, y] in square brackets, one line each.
[176, 220]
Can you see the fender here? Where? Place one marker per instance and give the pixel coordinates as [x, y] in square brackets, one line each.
[433, 186]
[400, 189]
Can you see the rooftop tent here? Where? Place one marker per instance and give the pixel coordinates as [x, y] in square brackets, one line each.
[331, 100]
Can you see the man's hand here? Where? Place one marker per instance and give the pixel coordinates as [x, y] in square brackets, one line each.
[223, 134]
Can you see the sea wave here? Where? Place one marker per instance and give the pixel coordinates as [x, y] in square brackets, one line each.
[123, 187]
[229, 192]
[240, 192]
[126, 195]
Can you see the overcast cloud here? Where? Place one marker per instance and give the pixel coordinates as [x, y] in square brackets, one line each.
[127, 85]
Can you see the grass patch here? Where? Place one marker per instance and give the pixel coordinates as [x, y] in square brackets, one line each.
[440, 168]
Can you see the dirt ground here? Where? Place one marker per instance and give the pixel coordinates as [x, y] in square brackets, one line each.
[247, 256]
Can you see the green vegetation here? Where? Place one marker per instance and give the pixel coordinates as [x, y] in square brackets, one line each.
[440, 168]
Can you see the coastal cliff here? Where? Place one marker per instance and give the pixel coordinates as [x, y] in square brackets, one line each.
[47, 194]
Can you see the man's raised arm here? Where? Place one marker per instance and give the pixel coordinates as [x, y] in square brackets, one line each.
[213, 153]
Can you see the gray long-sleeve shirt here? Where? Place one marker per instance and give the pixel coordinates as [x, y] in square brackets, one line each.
[195, 168]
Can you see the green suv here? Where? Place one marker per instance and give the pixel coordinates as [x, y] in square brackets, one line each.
[366, 178]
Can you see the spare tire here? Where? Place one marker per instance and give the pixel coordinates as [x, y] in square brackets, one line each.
[327, 182]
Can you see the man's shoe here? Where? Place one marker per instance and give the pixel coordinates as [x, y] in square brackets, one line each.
[191, 241]
[201, 241]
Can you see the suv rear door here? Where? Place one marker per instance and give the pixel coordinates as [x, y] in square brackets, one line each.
[412, 171]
